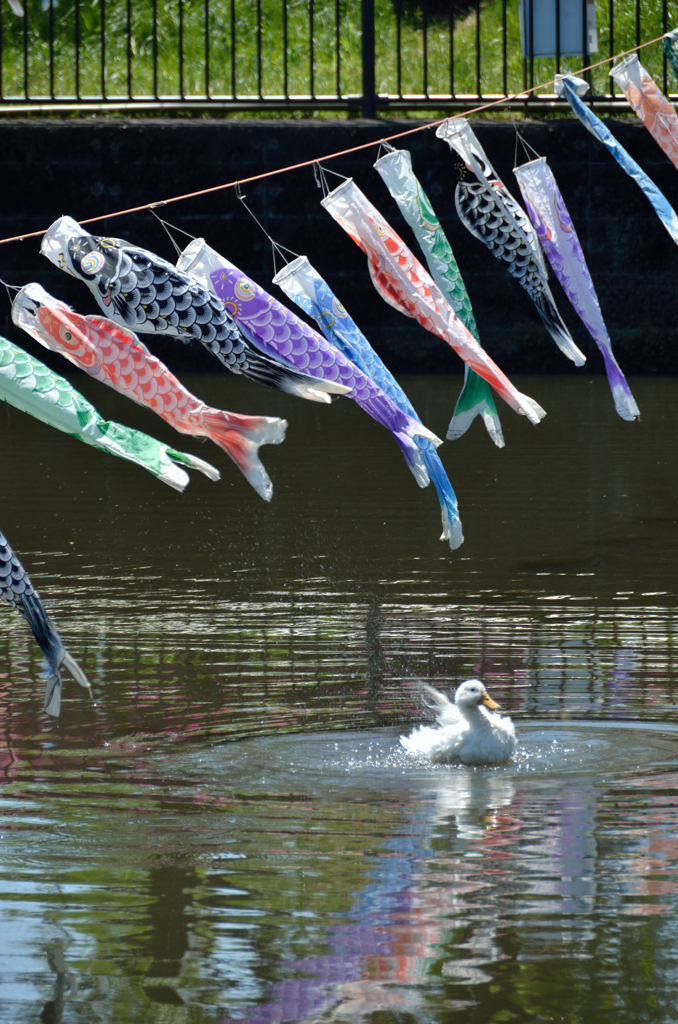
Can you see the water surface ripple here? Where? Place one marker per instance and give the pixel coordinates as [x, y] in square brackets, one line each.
[230, 831]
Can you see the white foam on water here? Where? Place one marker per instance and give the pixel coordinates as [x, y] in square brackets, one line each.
[364, 763]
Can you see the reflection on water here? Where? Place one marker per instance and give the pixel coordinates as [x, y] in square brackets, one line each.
[149, 874]
[203, 880]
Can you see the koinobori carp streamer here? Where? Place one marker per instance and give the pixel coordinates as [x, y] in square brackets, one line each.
[302, 283]
[489, 211]
[116, 356]
[137, 289]
[277, 329]
[404, 283]
[395, 168]
[558, 237]
[29, 385]
[653, 109]
[18, 591]
[573, 88]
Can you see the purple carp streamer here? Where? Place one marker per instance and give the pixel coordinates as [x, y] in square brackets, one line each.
[269, 324]
[18, 591]
[653, 109]
[139, 290]
[491, 214]
[558, 237]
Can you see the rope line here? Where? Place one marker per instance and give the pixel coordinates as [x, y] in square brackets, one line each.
[343, 152]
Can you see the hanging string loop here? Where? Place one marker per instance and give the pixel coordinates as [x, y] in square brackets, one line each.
[320, 174]
[169, 228]
[530, 152]
[386, 146]
[276, 247]
[13, 287]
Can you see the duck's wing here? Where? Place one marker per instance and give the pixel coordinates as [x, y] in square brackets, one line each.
[508, 728]
[440, 746]
[447, 713]
[420, 740]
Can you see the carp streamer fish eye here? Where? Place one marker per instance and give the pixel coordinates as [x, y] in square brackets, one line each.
[93, 263]
[244, 289]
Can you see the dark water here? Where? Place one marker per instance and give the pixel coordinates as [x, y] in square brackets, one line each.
[154, 869]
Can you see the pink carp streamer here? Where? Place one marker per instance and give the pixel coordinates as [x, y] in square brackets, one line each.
[403, 282]
[116, 356]
[653, 109]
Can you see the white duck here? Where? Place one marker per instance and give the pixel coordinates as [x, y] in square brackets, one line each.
[466, 732]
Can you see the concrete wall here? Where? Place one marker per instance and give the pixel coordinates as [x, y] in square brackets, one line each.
[87, 167]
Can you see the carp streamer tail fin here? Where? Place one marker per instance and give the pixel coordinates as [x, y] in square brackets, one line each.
[17, 589]
[69, 662]
[415, 428]
[413, 458]
[241, 442]
[282, 377]
[52, 703]
[554, 324]
[193, 462]
[449, 510]
[49, 642]
[625, 403]
[475, 400]
[51, 645]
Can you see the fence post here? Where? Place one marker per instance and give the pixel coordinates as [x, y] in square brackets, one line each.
[369, 97]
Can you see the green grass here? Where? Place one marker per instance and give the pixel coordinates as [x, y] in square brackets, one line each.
[129, 45]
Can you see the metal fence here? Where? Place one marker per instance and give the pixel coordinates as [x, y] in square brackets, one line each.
[301, 55]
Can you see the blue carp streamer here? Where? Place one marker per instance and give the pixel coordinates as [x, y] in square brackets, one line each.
[573, 89]
[303, 285]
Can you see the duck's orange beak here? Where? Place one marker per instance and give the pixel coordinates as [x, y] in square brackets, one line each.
[488, 702]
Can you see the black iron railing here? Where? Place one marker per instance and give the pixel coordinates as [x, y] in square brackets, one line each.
[369, 56]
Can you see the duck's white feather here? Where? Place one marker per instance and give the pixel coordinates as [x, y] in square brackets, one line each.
[447, 713]
[467, 732]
